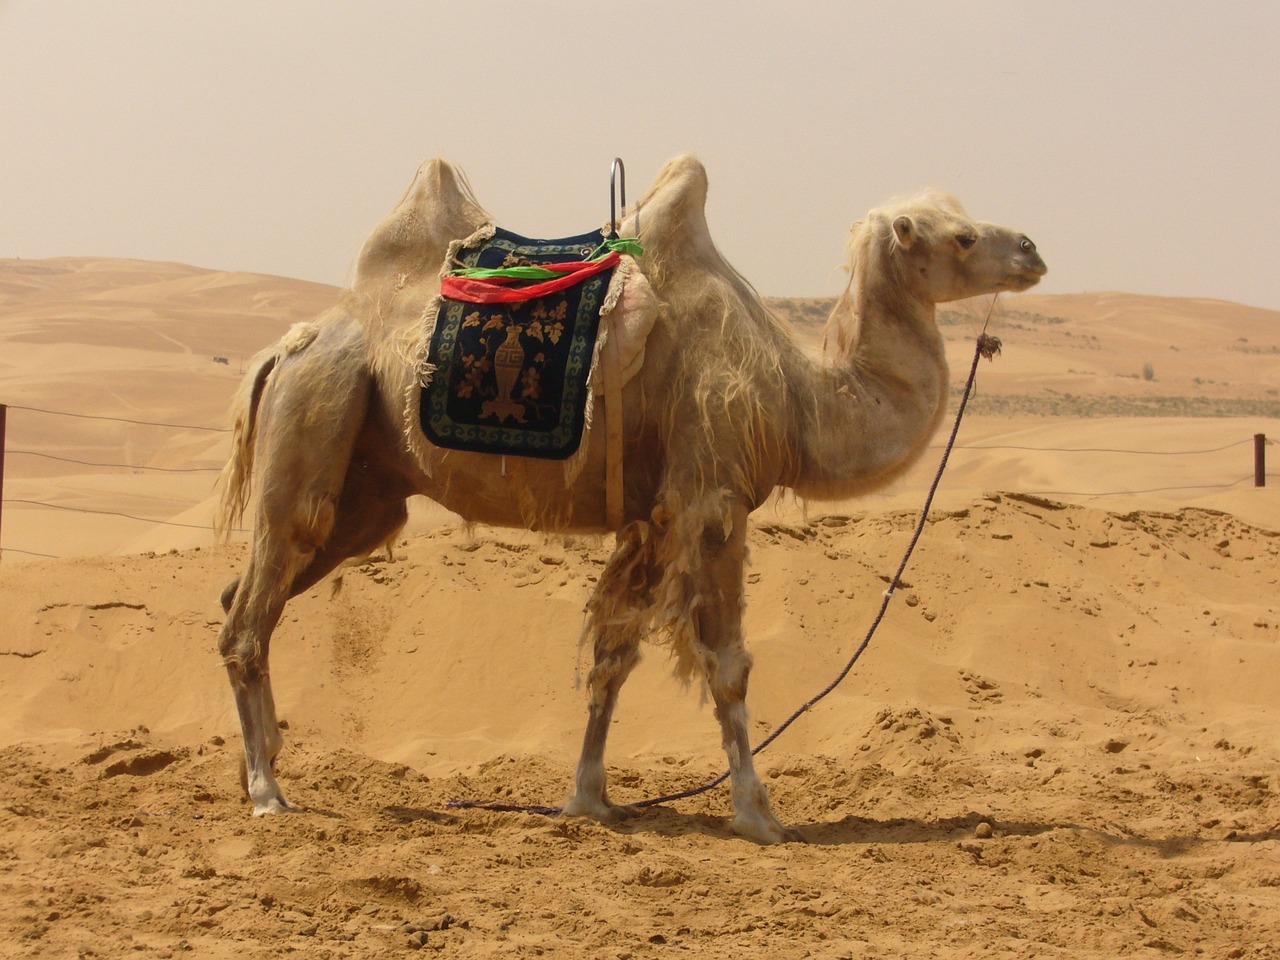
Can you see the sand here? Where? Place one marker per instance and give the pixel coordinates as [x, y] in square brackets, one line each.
[1061, 742]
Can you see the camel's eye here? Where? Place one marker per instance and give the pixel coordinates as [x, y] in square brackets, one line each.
[1027, 246]
[966, 240]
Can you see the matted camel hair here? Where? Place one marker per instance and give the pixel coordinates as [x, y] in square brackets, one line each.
[723, 406]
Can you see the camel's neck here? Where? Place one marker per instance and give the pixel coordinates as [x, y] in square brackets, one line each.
[880, 396]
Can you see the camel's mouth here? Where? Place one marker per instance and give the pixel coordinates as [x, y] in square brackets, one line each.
[1026, 275]
[1023, 281]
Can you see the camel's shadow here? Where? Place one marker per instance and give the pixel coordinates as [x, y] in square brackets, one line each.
[848, 830]
[665, 821]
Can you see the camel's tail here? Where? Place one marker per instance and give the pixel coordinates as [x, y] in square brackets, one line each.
[236, 479]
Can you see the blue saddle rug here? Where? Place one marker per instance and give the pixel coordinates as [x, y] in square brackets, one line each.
[511, 378]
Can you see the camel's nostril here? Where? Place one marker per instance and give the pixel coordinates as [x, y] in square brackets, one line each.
[1032, 264]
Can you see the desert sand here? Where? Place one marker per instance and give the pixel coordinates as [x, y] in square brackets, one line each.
[1061, 741]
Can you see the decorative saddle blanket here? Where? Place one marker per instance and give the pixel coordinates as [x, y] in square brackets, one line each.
[509, 364]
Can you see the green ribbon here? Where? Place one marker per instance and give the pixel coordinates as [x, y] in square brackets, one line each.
[519, 273]
[627, 245]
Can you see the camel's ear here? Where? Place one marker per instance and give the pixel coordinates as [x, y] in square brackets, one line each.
[904, 229]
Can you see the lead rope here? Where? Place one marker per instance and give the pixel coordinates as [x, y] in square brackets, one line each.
[987, 346]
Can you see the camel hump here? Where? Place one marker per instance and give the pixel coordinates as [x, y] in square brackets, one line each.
[672, 212]
[437, 208]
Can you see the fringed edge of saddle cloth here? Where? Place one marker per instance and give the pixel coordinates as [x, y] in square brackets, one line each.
[421, 447]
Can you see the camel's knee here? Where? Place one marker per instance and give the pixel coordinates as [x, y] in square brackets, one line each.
[229, 594]
[727, 675]
[241, 653]
[240, 664]
[613, 664]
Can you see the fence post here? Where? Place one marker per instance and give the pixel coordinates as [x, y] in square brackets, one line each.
[3, 413]
[1259, 458]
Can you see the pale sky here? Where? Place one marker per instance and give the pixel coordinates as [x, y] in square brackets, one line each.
[1136, 143]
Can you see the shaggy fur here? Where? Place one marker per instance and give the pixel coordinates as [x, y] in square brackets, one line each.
[724, 408]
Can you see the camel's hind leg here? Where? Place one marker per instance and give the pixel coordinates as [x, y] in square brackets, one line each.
[365, 519]
[615, 615]
[305, 441]
[244, 644]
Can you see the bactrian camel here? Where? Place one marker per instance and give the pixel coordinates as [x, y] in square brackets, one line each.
[725, 407]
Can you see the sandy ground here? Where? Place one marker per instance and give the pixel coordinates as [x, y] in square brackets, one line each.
[1061, 742]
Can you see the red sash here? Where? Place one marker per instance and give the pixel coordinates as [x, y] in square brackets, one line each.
[499, 289]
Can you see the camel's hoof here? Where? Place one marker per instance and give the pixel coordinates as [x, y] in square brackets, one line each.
[605, 811]
[620, 813]
[765, 831]
[272, 806]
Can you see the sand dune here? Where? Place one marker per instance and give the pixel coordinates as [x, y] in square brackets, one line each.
[1060, 743]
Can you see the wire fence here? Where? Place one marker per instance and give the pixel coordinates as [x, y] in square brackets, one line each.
[107, 513]
[1254, 476]
[141, 423]
[104, 464]
[120, 466]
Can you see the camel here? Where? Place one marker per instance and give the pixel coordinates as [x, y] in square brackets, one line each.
[724, 408]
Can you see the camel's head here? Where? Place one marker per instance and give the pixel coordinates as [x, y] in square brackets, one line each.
[945, 255]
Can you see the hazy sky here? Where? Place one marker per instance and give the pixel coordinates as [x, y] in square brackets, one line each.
[1136, 143]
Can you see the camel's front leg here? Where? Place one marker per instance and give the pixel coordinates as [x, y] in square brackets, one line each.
[753, 815]
[590, 797]
[615, 617]
[727, 665]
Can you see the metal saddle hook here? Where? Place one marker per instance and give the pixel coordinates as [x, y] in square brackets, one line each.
[618, 197]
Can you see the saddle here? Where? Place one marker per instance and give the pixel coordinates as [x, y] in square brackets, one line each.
[508, 362]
